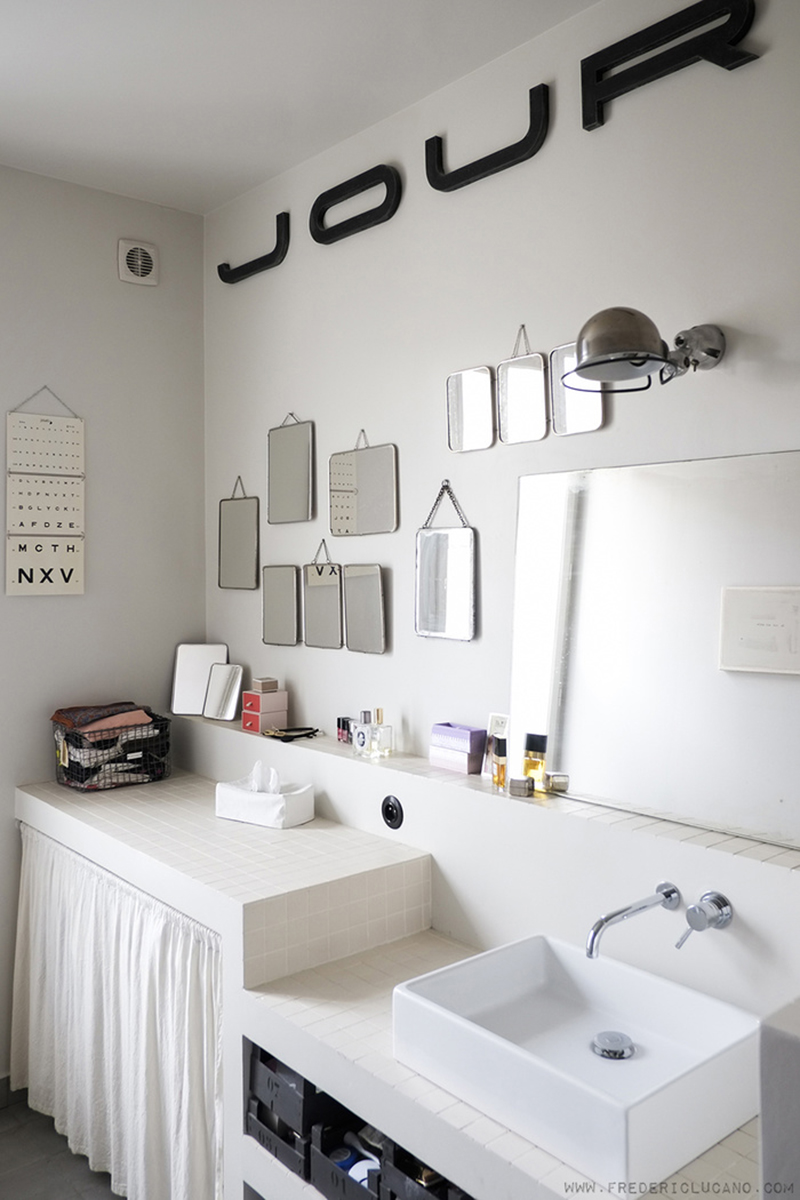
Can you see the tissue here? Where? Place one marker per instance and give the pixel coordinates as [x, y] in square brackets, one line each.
[260, 800]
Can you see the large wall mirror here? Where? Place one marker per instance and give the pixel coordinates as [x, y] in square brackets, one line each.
[620, 579]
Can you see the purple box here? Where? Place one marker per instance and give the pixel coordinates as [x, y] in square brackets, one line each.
[466, 738]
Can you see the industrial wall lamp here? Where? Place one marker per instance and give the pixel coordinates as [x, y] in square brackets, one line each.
[622, 349]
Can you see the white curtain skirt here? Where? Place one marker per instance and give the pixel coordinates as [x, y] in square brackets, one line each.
[116, 1025]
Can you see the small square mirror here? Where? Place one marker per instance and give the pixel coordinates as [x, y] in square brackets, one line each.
[363, 491]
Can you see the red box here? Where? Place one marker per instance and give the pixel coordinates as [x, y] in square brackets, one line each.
[262, 702]
[257, 722]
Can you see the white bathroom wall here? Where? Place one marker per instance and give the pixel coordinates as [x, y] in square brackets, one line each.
[682, 204]
[128, 359]
[504, 868]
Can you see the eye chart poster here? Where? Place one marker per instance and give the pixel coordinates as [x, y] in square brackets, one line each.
[44, 505]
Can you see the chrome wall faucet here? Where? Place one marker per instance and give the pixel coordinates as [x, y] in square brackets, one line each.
[666, 896]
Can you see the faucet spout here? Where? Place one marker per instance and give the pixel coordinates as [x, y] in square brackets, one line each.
[666, 896]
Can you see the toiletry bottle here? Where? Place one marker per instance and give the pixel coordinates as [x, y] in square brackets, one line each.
[362, 734]
[381, 736]
[533, 764]
[499, 763]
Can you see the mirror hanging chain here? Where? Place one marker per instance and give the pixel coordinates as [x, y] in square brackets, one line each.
[522, 340]
[320, 567]
[446, 490]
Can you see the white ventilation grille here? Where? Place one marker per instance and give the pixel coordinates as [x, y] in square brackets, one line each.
[138, 262]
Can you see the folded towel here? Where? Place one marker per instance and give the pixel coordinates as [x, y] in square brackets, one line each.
[135, 716]
[80, 715]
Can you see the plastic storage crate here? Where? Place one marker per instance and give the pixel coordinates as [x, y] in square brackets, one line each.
[116, 757]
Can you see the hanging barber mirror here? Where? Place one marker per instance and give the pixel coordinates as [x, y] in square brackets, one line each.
[238, 540]
[445, 584]
[290, 458]
[363, 489]
[470, 409]
[364, 615]
[279, 593]
[444, 597]
[322, 602]
[522, 399]
[573, 411]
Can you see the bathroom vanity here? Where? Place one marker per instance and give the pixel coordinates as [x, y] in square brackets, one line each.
[318, 924]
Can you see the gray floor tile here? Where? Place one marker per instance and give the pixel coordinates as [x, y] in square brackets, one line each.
[36, 1163]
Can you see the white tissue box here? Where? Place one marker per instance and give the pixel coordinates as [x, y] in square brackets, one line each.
[277, 809]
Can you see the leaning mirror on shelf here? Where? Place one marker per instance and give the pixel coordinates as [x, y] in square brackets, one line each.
[222, 694]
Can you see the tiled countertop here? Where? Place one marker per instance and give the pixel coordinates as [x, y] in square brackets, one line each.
[174, 823]
[345, 1009]
[302, 896]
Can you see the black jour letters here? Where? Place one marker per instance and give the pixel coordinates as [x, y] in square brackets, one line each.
[718, 26]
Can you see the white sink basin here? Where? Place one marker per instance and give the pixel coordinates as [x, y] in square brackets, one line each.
[510, 1032]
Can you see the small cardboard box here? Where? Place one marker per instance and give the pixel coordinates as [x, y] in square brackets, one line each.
[466, 738]
[264, 684]
[455, 760]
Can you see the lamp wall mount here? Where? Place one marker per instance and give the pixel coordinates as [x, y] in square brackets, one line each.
[621, 349]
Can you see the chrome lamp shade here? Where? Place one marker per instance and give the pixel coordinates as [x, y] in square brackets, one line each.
[618, 345]
[622, 349]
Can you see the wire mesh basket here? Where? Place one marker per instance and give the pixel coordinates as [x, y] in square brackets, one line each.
[116, 757]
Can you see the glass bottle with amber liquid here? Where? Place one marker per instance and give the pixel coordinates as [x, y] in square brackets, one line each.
[533, 764]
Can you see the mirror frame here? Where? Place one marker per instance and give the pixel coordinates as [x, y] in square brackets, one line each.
[285, 578]
[242, 573]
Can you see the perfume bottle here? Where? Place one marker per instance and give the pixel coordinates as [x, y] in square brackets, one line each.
[362, 734]
[499, 763]
[382, 740]
[533, 764]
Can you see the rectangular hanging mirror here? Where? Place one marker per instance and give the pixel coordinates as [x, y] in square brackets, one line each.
[363, 490]
[290, 466]
[444, 594]
[322, 604]
[279, 590]
[364, 615]
[470, 409]
[573, 411]
[522, 399]
[238, 540]
[445, 584]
